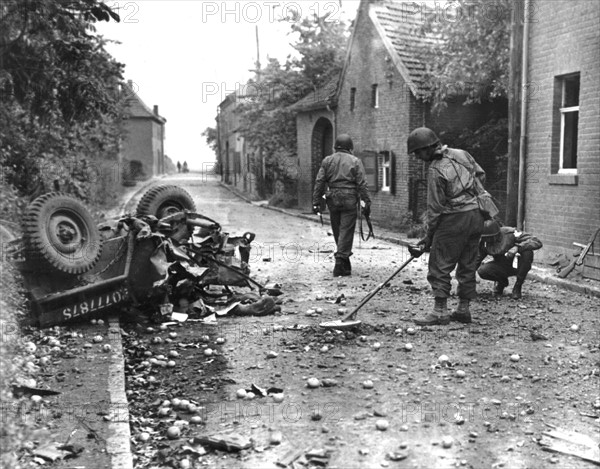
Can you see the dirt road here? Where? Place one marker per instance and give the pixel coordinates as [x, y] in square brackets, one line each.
[485, 404]
[388, 394]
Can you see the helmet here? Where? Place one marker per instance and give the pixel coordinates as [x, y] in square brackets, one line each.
[343, 142]
[490, 228]
[421, 137]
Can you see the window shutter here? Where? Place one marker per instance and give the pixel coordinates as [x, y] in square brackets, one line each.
[369, 161]
[392, 173]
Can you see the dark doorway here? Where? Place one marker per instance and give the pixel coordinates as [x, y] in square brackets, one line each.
[322, 143]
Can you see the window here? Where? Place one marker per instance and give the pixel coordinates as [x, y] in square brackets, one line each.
[386, 175]
[374, 96]
[569, 120]
[352, 98]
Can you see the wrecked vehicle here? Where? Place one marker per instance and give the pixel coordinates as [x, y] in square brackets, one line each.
[165, 258]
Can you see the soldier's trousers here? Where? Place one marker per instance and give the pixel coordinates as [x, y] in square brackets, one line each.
[455, 244]
[343, 216]
[343, 224]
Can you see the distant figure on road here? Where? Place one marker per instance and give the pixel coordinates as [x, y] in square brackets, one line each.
[185, 167]
[178, 167]
[343, 175]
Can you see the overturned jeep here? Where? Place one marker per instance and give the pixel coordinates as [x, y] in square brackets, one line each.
[165, 255]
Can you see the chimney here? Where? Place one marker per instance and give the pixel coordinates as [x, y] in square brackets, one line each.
[156, 110]
[130, 83]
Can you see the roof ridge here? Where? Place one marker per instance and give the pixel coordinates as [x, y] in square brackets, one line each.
[406, 42]
[137, 107]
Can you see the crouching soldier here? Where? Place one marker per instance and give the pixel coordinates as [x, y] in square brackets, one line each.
[503, 244]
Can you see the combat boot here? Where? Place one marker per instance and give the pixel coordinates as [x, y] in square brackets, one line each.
[499, 288]
[439, 315]
[516, 292]
[462, 313]
[338, 268]
[347, 267]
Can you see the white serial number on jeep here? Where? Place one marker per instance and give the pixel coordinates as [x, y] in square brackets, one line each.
[96, 303]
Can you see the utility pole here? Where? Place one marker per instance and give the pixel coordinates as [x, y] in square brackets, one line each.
[515, 94]
[257, 56]
[259, 151]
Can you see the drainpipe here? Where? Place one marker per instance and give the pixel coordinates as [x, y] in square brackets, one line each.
[523, 138]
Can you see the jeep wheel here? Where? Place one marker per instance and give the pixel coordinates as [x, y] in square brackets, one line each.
[60, 233]
[162, 201]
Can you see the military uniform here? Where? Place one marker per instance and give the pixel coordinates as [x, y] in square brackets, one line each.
[342, 179]
[501, 267]
[454, 222]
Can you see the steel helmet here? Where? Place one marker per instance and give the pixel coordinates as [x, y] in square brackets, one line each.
[421, 137]
[343, 142]
[490, 228]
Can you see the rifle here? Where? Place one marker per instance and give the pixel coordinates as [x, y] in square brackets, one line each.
[563, 272]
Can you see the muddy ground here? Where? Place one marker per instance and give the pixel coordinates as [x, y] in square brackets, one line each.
[479, 407]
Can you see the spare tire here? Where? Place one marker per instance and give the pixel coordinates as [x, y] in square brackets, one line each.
[60, 234]
[162, 201]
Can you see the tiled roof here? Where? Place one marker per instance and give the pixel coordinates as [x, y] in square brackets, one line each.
[320, 98]
[400, 29]
[136, 107]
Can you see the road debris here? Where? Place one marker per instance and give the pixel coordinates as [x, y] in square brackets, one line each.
[313, 383]
[179, 264]
[232, 442]
[570, 442]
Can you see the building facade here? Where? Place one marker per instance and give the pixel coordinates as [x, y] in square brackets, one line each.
[315, 128]
[142, 149]
[235, 157]
[378, 101]
[562, 179]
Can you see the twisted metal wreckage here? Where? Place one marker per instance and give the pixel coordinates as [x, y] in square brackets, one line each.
[167, 260]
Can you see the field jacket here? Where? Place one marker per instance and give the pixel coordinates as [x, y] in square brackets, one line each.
[450, 185]
[343, 172]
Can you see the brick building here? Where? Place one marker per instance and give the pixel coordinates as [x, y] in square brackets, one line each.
[562, 181]
[235, 157]
[315, 130]
[142, 149]
[378, 102]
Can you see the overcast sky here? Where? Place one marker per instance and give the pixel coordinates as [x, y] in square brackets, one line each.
[186, 56]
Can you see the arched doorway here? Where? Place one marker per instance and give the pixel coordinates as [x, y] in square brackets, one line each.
[321, 143]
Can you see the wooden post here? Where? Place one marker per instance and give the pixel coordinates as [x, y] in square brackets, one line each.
[514, 98]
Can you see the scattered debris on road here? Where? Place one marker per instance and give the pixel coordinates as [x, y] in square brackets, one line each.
[165, 260]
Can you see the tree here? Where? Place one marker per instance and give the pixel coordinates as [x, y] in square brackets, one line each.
[469, 63]
[321, 45]
[474, 58]
[266, 120]
[210, 135]
[62, 109]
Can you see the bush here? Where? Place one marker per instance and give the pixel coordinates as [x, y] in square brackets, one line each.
[11, 203]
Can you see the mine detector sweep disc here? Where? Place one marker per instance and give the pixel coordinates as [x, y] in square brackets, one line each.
[348, 321]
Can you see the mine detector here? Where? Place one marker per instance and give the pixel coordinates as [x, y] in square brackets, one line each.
[163, 255]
